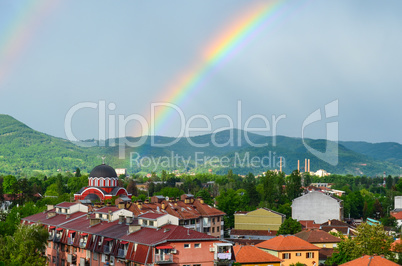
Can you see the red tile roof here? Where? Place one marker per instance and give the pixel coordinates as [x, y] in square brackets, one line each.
[252, 254]
[66, 204]
[397, 215]
[151, 236]
[317, 236]
[309, 224]
[370, 260]
[150, 215]
[287, 243]
[107, 209]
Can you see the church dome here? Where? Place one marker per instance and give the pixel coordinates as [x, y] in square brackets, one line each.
[103, 170]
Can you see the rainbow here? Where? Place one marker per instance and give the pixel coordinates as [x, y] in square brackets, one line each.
[18, 31]
[233, 38]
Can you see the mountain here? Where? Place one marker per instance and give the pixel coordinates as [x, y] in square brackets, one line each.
[24, 151]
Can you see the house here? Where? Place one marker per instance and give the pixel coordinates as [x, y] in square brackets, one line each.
[291, 250]
[251, 255]
[321, 239]
[193, 213]
[337, 226]
[370, 260]
[317, 206]
[309, 224]
[260, 219]
[114, 236]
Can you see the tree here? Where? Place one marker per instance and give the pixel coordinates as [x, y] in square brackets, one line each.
[289, 227]
[369, 240]
[77, 172]
[25, 246]
[132, 188]
[293, 185]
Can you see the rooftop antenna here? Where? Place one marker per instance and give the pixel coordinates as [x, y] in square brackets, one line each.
[103, 159]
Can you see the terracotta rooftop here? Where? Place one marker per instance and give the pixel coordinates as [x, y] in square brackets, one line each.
[287, 243]
[66, 204]
[317, 236]
[397, 215]
[107, 209]
[309, 224]
[252, 254]
[151, 236]
[151, 215]
[370, 260]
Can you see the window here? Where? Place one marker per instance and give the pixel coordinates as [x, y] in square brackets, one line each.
[213, 220]
[187, 246]
[217, 229]
[95, 256]
[334, 245]
[213, 229]
[197, 245]
[310, 255]
[193, 221]
[54, 259]
[151, 223]
[323, 245]
[63, 262]
[286, 256]
[218, 218]
[298, 254]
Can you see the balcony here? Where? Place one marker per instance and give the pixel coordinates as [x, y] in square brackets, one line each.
[163, 258]
[106, 249]
[57, 238]
[224, 256]
[51, 236]
[121, 253]
[70, 241]
[83, 244]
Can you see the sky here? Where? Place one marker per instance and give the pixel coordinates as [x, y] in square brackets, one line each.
[97, 68]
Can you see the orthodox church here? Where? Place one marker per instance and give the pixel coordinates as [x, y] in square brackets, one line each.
[102, 185]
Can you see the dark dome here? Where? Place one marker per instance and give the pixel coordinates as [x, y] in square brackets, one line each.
[103, 170]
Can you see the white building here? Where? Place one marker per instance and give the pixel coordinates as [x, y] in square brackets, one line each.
[317, 206]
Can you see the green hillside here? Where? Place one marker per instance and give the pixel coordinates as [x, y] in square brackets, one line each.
[24, 151]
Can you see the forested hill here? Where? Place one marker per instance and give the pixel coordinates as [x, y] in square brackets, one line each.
[24, 151]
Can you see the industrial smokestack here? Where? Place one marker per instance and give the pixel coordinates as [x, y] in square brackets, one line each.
[309, 165]
[305, 165]
[298, 165]
[280, 164]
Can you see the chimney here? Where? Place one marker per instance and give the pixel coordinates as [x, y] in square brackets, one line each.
[110, 215]
[305, 165]
[50, 215]
[121, 219]
[201, 200]
[121, 205]
[108, 204]
[146, 201]
[133, 228]
[129, 220]
[88, 216]
[163, 205]
[94, 221]
[68, 216]
[50, 207]
[329, 222]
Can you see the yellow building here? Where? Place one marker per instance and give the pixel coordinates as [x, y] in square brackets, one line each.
[260, 219]
[253, 256]
[291, 250]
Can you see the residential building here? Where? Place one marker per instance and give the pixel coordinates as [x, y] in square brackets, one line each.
[319, 238]
[291, 250]
[309, 224]
[317, 206]
[370, 260]
[337, 226]
[102, 185]
[114, 236]
[193, 213]
[251, 255]
[260, 219]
